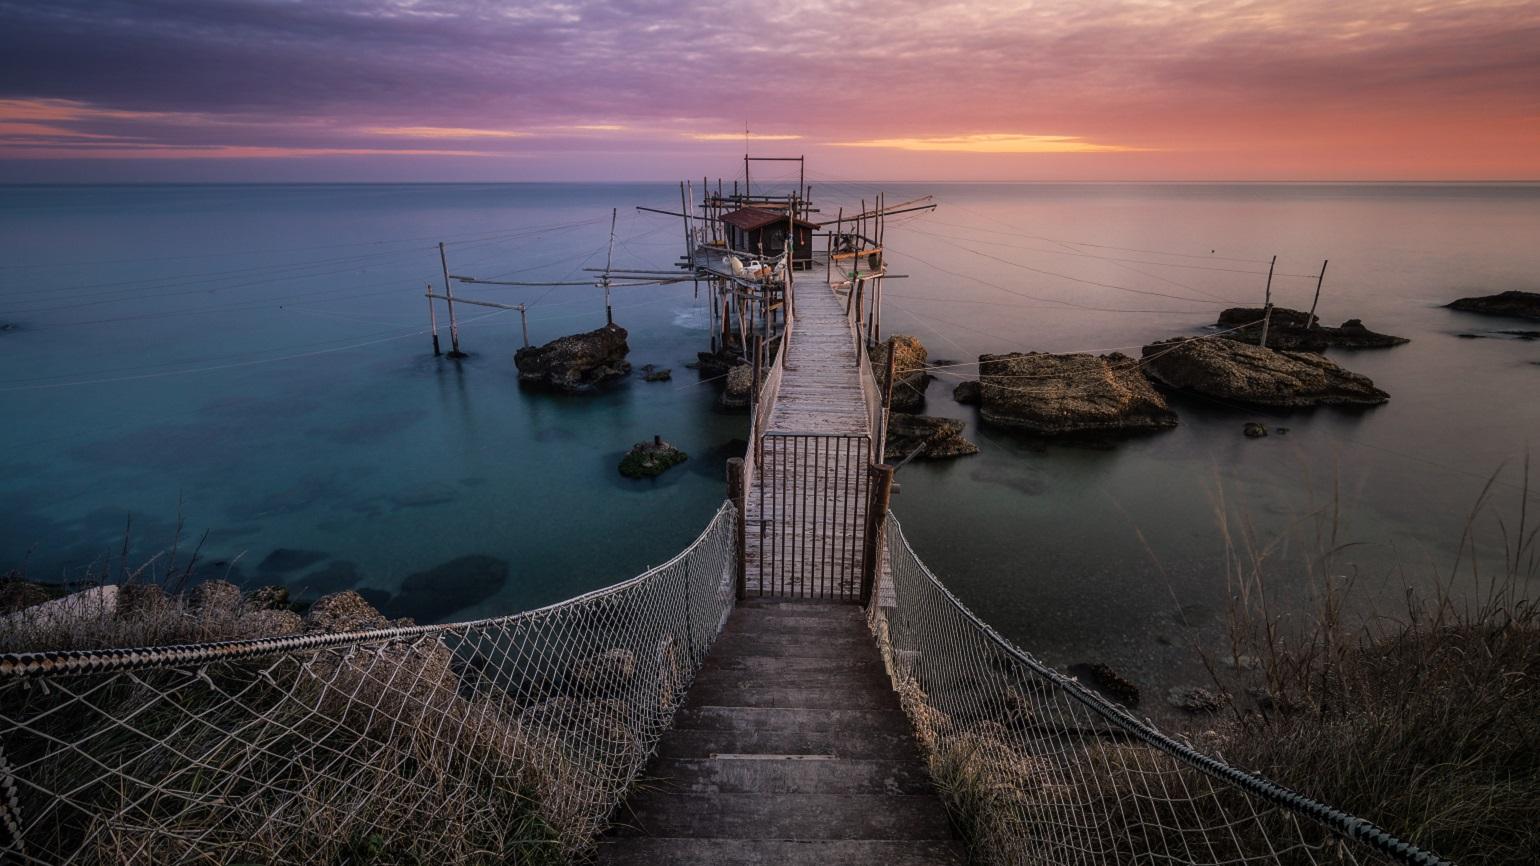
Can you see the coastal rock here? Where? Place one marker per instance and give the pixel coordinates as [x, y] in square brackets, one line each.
[939, 437]
[654, 374]
[740, 385]
[1228, 370]
[968, 393]
[17, 593]
[216, 599]
[1519, 305]
[444, 589]
[274, 597]
[613, 667]
[337, 575]
[1195, 699]
[1298, 331]
[1253, 430]
[650, 459]
[712, 364]
[575, 363]
[910, 374]
[343, 611]
[270, 623]
[141, 602]
[1077, 393]
[1103, 678]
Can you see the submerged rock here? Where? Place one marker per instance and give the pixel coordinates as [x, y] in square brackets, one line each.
[910, 373]
[442, 590]
[1076, 393]
[1229, 370]
[653, 374]
[1298, 331]
[650, 459]
[576, 363]
[1254, 430]
[1521, 305]
[337, 575]
[939, 437]
[286, 559]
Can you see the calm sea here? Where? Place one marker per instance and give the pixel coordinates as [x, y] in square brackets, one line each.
[250, 362]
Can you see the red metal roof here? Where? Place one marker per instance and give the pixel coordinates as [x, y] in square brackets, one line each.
[751, 218]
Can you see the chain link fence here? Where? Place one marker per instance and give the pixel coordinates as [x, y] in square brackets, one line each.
[1038, 769]
[505, 740]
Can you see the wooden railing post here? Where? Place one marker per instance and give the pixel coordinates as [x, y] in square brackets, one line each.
[739, 497]
[889, 375]
[876, 517]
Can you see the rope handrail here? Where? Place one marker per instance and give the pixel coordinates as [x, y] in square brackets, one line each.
[493, 740]
[31, 664]
[912, 577]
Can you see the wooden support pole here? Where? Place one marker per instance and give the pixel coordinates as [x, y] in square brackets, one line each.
[449, 301]
[432, 319]
[609, 312]
[1267, 303]
[758, 360]
[739, 496]
[888, 379]
[876, 518]
[1310, 322]
[828, 271]
[524, 323]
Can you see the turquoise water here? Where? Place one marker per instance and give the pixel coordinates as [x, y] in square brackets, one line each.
[250, 360]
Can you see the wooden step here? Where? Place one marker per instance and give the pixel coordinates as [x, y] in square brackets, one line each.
[739, 852]
[750, 775]
[784, 816]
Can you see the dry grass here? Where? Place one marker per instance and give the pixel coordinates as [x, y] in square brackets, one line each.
[1425, 720]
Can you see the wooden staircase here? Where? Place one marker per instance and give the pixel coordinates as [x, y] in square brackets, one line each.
[791, 749]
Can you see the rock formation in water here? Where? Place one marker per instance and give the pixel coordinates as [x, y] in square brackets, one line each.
[1054, 394]
[1228, 370]
[1297, 331]
[740, 387]
[651, 373]
[434, 594]
[968, 393]
[1519, 305]
[939, 437]
[650, 459]
[910, 375]
[576, 363]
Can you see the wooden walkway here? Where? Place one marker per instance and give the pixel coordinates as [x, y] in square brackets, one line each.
[806, 504]
[791, 749]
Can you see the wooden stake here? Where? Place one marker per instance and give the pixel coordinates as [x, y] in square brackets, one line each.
[757, 357]
[524, 323]
[432, 319]
[876, 518]
[888, 380]
[738, 495]
[1310, 322]
[449, 300]
[1267, 302]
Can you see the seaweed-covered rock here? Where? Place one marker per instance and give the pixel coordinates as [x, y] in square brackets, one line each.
[655, 374]
[969, 393]
[1254, 430]
[274, 597]
[576, 363]
[910, 373]
[740, 387]
[1297, 331]
[216, 599]
[270, 623]
[650, 459]
[1519, 305]
[938, 437]
[1103, 678]
[1229, 370]
[1076, 393]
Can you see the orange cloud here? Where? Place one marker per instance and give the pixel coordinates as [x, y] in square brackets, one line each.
[994, 143]
[443, 132]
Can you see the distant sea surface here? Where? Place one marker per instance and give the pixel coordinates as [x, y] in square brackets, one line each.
[251, 363]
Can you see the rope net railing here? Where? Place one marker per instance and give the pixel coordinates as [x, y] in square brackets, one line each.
[505, 740]
[1038, 769]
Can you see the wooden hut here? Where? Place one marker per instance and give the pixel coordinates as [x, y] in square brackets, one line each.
[756, 229]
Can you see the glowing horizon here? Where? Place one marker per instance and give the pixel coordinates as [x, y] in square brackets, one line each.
[1059, 90]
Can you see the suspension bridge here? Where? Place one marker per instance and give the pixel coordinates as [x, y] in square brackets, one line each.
[794, 687]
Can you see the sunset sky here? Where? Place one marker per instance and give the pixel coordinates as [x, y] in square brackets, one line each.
[251, 90]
